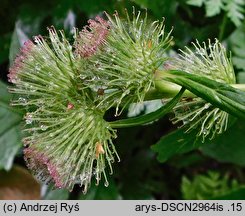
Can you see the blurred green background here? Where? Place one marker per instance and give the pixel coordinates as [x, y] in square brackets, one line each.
[169, 170]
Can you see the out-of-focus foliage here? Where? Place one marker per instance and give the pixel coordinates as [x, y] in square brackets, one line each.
[167, 146]
[228, 147]
[50, 193]
[101, 192]
[233, 8]
[139, 175]
[237, 41]
[210, 186]
[9, 130]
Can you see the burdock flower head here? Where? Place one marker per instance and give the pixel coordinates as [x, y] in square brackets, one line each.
[124, 58]
[209, 60]
[66, 90]
[66, 138]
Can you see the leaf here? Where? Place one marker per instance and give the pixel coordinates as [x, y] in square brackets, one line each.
[57, 194]
[17, 40]
[239, 62]
[237, 194]
[187, 160]
[101, 192]
[241, 77]
[213, 7]
[176, 142]
[235, 10]
[197, 3]
[237, 43]
[209, 186]
[147, 118]
[9, 130]
[229, 147]
[9, 146]
[18, 184]
[220, 95]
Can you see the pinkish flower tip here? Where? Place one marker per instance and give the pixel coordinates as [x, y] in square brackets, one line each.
[18, 63]
[92, 37]
[40, 164]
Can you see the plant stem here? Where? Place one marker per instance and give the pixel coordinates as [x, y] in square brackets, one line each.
[167, 89]
[153, 94]
[150, 117]
[222, 27]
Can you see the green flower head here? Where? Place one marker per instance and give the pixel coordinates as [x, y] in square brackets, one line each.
[124, 58]
[67, 140]
[211, 61]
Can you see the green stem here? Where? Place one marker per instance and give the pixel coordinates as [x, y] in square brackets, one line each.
[167, 89]
[150, 117]
[222, 28]
[221, 95]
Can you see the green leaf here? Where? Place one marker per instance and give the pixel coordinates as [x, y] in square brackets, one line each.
[197, 3]
[239, 62]
[235, 10]
[17, 40]
[101, 192]
[147, 118]
[209, 186]
[57, 194]
[9, 130]
[237, 43]
[9, 145]
[176, 142]
[220, 95]
[241, 77]
[237, 194]
[213, 7]
[187, 160]
[229, 147]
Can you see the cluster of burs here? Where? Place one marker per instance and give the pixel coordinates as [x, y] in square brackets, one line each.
[67, 87]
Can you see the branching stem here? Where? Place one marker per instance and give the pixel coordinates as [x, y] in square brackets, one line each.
[167, 89]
